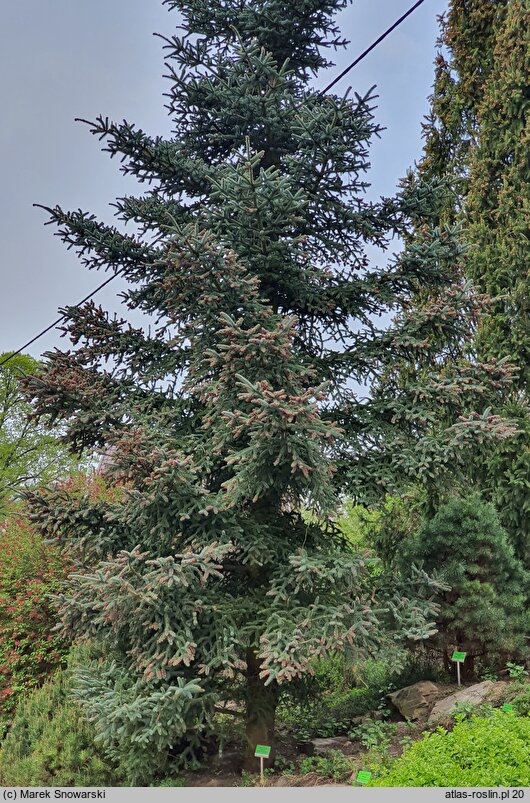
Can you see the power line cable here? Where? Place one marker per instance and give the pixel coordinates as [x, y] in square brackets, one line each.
[58, 321]
[321, 92]
[369, 49]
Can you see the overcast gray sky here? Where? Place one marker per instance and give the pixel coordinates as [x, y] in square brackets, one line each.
[61, 59]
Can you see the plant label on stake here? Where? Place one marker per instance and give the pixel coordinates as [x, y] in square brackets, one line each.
[262, 751]
[363, 776]
[458, 658]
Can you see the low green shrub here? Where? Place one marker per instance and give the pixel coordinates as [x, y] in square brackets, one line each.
[492, 751]
[326, 703]
[148, 730]
[307, 720]
[374, 734]
[521, 702]
[516, 671]
[249, 779]
[344, 705]
[330, 716]
[332, 673]
[375, 679]
[422, 664]
[464, 710]
[51, 744]
[333, 765]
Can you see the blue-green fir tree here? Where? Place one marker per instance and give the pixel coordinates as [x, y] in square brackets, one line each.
[203, 582]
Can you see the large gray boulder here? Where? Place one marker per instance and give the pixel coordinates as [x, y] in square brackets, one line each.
[484, 692]
[415, 702]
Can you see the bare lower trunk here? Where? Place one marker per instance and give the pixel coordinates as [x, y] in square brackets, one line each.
[261, 710]
[467, 667]
[447, 663]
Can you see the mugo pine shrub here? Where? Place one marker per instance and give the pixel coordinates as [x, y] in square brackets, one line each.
[51, 743]
[484, 613]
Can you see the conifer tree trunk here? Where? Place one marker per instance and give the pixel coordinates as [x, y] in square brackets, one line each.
[261, 711]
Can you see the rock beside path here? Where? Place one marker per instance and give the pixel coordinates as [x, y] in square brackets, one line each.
[487, 691]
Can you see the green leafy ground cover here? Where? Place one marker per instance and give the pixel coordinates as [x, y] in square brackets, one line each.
[481, 751]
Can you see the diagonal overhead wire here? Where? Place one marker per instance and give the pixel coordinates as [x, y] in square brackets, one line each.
[370, 48]
[58, 321]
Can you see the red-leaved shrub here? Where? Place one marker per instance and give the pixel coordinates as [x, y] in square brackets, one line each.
[30, 650]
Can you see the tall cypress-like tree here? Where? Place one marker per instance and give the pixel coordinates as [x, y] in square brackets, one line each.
[478, 135]
[204, 582]
[462, 68]
[478, 138]
[498, 202]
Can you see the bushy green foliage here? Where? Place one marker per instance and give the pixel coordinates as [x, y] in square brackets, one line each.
[481, 751]
[355, 521]
[342, 706]
[140, 722]
[29, 648]
[421, 664]
[329, 717]
[90, 497]
[477, 137]
[484, 612]
[30, 571]
[521, 702]
[344, 692]
[497, 203]
[516, 671]
[249, 779]
[332, 697]
[374, 734]
[397, 519]
[51, 744]
[507, 481]
[334, 765]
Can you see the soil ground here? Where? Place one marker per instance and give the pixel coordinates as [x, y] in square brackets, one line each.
[227, 772]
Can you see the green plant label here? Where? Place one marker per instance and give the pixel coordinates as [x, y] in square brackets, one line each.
[458, 656]
[363, 776]
[262, 751]
[507, 707]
